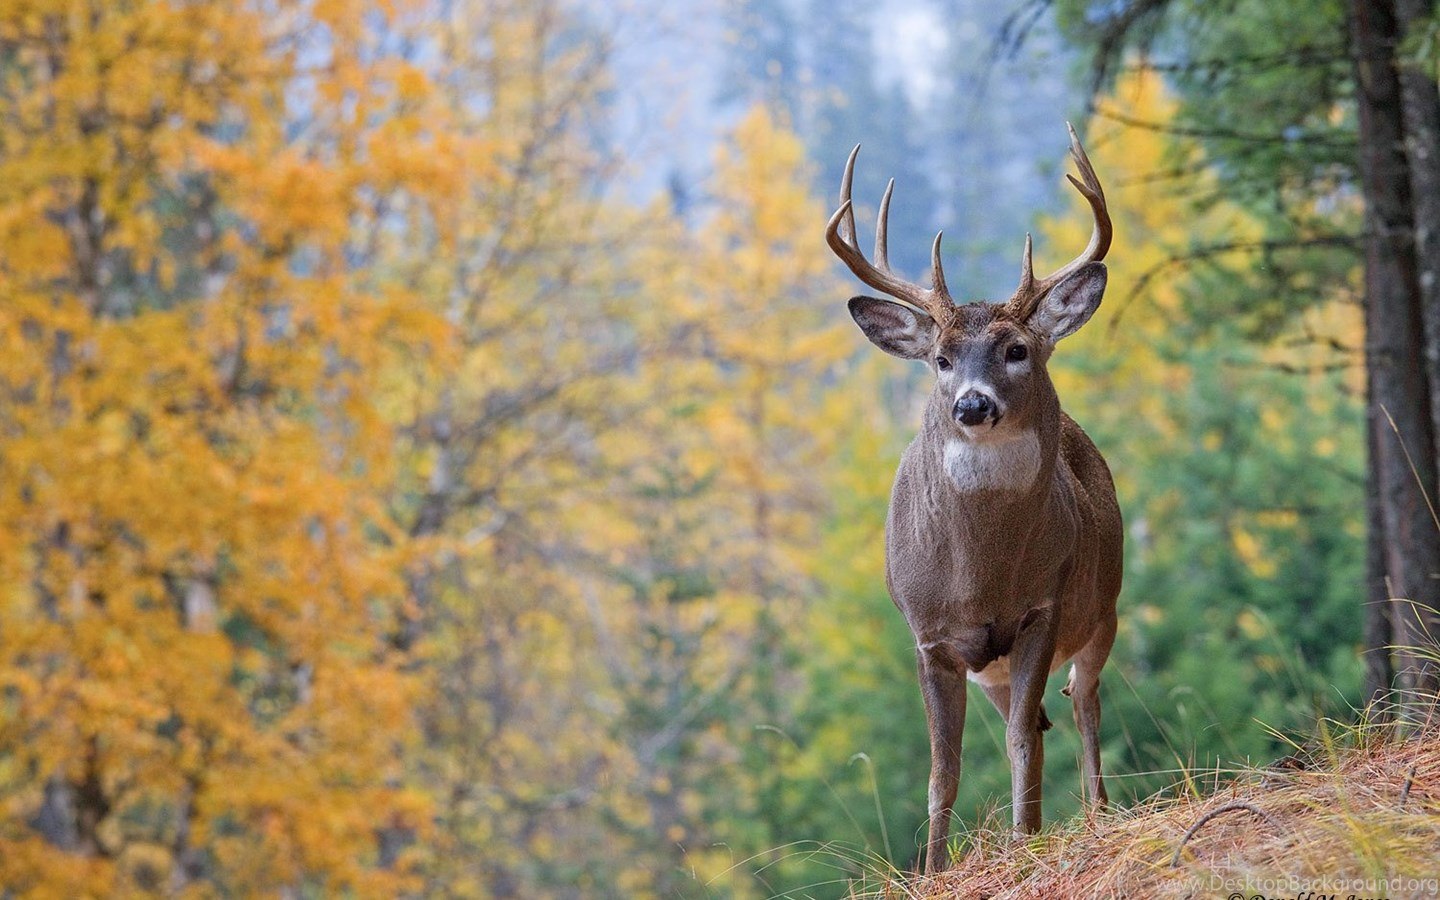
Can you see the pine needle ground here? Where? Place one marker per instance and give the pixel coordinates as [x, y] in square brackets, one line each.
[1356, 814]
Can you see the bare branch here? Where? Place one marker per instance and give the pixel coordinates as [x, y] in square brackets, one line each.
[1292, 56]
[1229, 807]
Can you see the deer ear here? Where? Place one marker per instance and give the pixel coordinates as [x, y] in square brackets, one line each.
[1070, 303]
[895, 328]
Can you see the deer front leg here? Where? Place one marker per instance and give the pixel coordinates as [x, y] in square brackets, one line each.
[942, 683]
[1029, 666]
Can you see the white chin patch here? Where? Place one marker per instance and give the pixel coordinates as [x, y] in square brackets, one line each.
[1009, 462]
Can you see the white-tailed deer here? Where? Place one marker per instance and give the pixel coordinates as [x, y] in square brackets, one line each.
[1003, 542]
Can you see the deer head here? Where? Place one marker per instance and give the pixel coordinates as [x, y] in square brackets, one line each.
[989, 357]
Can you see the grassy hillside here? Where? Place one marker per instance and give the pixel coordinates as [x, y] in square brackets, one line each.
[1356, 812]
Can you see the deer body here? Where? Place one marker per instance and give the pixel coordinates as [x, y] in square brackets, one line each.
[1003, 538]
[987, 556]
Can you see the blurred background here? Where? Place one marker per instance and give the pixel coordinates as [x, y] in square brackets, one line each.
[435, 459]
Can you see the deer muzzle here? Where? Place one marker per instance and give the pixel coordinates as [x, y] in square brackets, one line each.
[974, 407]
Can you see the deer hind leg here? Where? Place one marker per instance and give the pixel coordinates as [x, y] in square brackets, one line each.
[1084, 691]
[999, 695]
[942, 683]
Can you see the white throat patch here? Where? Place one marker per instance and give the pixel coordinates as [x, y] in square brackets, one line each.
[1009, 465]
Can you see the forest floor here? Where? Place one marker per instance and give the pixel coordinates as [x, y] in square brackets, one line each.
[1354, 816]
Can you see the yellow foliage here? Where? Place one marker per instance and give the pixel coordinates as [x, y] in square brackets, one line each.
[192, 462]
[1251, 625]
[1252, 552]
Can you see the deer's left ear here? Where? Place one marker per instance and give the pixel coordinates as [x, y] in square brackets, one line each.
[1070, 303]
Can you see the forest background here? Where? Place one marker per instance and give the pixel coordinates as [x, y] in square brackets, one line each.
[435, 460]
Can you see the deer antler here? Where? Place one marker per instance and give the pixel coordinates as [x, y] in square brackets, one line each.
[840, 235]
[1030, 292]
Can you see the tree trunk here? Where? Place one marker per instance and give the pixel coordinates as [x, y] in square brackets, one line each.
[1422, 149]
[1378, 634]
[56, 819]
[1399, 414]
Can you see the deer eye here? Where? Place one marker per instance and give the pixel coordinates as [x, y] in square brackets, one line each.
[1016, 352]
[942, 363]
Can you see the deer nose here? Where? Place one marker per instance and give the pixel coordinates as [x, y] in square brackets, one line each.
[973, 408]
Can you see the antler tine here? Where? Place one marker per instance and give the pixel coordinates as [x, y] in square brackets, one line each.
[1027, 270]
[1030, 291]
[937, 271]
[882, 225]
[840, 235]
[846, 181]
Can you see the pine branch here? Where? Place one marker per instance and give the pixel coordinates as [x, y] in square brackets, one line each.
[1289, 136]
[1182, 260]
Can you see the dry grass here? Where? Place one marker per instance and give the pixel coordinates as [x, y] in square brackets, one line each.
[1358, 813]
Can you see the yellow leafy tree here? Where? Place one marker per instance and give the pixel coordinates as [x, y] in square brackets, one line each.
[195, 547]
[735, 500]
[508, 240]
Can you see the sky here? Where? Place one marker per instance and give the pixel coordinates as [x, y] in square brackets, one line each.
[1001, 133]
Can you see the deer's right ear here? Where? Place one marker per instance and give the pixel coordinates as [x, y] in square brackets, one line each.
[895, 328]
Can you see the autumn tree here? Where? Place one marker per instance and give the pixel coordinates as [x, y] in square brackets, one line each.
[689, 544]
[197, 551]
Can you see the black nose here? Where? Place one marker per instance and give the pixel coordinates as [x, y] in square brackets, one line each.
[973, 408]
